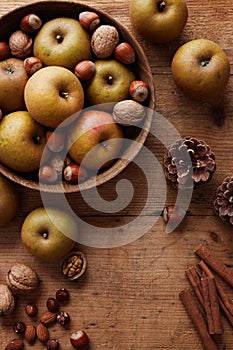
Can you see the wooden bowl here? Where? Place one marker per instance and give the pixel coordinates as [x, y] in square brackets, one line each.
[47, 10]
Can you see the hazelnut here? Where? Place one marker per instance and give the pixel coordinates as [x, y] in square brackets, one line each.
[22, 278]
[55, 140]
[73, 173]
[125, 53]
[79, 340]
[19, 327]
[31, 309]
[74, 265]
[32, 64]
[52, 304]
[139, 90]
[52, 344]
[128, 112]
[84, 70]
[57, 163]
[174, 213]
[7, 301]
[63, 318]
[104, 40]
[20, 44]
[4, 50]
[30, 23]
[89, 20]
[62, 295]
[47, 174]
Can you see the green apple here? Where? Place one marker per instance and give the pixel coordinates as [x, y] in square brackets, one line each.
[22, 141]
[110, 82]
[45, 233]
[13, 78]
[95, 139]
[62, 42]
[9, 200]
[201, 69]
[53, 94]
[158, 21]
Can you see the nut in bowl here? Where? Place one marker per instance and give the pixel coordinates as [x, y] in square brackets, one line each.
[72, 74]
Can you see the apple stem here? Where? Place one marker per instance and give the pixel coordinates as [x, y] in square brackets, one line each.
[64, 94]
[204, 63]
[161, 6]
[110, 80]
[59, 39]
[45, 235]
[9, 70]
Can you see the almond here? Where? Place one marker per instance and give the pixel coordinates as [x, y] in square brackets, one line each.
[42, 333]
[30, 334]
[48, 317]
[15, 344]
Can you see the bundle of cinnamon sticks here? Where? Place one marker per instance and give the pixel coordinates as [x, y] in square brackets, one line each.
[212, 298]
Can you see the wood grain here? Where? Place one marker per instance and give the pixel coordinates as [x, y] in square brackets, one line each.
[128, 298]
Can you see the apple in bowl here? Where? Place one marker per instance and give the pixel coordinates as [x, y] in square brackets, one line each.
[55, 97]
[95, 139]
[53, 94]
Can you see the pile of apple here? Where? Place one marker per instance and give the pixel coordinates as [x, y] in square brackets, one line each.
[52, 77]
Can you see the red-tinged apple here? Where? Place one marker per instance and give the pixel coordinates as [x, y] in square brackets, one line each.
[9, 200]
[49, 233]
[95, 139]
[158, 21]
[110, 82]
[22, 142]
[13, 78]
[201, 69]
[52, 95]
[62, 42]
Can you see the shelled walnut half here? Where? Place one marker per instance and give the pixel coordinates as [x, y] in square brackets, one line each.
[74, 265]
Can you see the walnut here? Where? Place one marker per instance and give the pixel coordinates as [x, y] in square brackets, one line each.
[74, 265]
[20, 44]
[128, 112]
[7, 301]
[104, 40]
[22, 278]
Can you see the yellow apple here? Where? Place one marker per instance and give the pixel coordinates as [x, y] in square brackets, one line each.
[201, 69]
[22, 142]
[158, 21]
[63, 42]
[53, 94]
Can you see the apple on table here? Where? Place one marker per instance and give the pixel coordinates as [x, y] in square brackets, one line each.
[201, 69]
[49, 233]
[158, 21]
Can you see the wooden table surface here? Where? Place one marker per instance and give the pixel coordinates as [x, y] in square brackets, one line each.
[128, 298]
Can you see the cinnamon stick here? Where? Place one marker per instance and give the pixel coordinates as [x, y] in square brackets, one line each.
[215, 263]
[195, 281]
[211, 305]
[224, 301]
[197, 318]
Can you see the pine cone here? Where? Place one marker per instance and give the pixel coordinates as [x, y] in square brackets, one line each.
[189, 163]
[223, 203]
